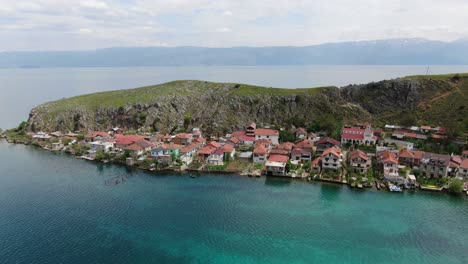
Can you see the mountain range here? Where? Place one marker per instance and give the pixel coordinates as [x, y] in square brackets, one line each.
[413, 51]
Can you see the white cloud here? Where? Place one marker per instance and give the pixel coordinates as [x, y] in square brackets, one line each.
[85, 31]
[36, 24]
[223, 30]
[94, 4]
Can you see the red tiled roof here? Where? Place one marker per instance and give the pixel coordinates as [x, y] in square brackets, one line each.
[260, 149]
[173, 146]
[352, 136]
[97, 134]
[426, 127]
[200, 140]
[358, 154]
[134, 147]
[219, 151]
[214, 144]
[183, 135]
[228, 148]
[334, 151]
[299, 151]
[437, 136]
[234, 140]
[464, 164]
[418, 154]
[278, 158]
[406, 153]
[246, 138]
[266, 132]
[328, 140]
[305, 143]
[207, 150]
[144, 144]
[263, 141]
[190, 147]
[465, 152]
[279, 152]
[387, 156]
[238, 133]
[353, 129]
[285, 146]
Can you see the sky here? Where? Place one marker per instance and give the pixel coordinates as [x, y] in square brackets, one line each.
[94, 24]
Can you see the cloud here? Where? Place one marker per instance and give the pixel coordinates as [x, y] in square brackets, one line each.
[37, 24]
[94, 4]
[223, 30]
[85, 31]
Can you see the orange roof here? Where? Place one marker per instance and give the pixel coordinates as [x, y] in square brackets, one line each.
[426, 127]
[387, 156]
[328, 140]
[228, 148]
[333, 150]
[266, 132]
[190, 147]
[134, 147]
[285, 146]
[305, 144]
[278, 158]
[317, 161]
[234, 140]
[464, 164]
[207, 150]
[183, 135]
[96, 134]
[263, 141]
[358, 154]
[214, 144]
[260, 149]
[405, 153]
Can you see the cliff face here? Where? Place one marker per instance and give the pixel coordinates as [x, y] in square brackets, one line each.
[220, 107]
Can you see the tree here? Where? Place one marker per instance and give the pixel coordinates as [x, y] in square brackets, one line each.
[456, 186]
[306, 166]
[100, 155]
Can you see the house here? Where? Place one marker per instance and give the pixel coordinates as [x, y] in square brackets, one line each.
[435, 165]
[188, 152]
[96, 136]
[313, 137]
[301, 133]
[326, 143]
[135, 149]
[182, 139]
[316, 165]
[260, 153]
[41, 136]
[276, 165]
[206, 151]
[399, 143]
[265, 133]
[454, 165]
[57, 146]
[250, 130]
[122, 141]
[463, 170]
[301, 155]
[217, 157]
[105, 146]
[247, 140]
[166, 151]
[389, 163]
[332, 158]
[359, 161]
[305, 144]
[233, 141]
[358, 135]
[196, 133]
[426, 129]
[282, 149]
[229, 152]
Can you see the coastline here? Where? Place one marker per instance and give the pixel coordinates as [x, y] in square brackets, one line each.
[374, 186]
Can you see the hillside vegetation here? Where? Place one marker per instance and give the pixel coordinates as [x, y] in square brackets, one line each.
[219, 107]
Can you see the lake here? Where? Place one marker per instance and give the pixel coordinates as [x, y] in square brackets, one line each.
[57, 209]
[22, 89]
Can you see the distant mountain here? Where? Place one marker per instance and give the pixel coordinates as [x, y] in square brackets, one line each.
[414, 51]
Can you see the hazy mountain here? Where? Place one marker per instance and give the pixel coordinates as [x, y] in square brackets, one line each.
[393, 51]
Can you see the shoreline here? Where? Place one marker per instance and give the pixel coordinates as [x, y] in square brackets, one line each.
[196, 173]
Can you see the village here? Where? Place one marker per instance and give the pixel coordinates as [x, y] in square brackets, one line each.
[364, 157]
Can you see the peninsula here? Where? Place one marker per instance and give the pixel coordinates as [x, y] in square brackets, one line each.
[402, 133]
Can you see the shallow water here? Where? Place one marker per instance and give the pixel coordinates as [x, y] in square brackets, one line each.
[57, 209]
[22, 89]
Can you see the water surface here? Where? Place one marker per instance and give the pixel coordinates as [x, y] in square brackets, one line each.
[22, 89]
[57, 209]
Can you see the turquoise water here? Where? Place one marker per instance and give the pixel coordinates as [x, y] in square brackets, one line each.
[22, 89]
[57, 209]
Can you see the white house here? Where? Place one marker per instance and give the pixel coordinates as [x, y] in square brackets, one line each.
[265, 133]
[332, 158]
[101, 145]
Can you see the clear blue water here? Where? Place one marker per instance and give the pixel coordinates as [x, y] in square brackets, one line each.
[22, 89]
[57, 209]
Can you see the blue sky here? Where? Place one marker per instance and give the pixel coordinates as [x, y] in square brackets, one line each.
[91, 24]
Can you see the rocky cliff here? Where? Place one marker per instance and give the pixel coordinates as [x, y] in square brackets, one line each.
[220, 107]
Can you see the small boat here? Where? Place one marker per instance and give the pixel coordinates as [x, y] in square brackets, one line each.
[394, 188]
